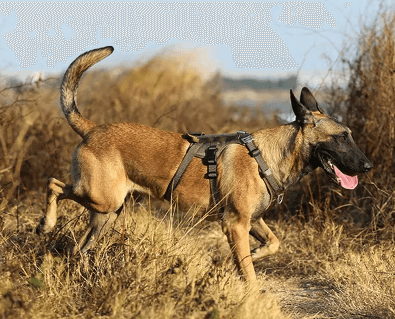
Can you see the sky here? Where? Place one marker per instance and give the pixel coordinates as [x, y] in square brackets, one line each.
[239, 39]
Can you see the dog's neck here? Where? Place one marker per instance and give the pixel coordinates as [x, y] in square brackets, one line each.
[285, 152]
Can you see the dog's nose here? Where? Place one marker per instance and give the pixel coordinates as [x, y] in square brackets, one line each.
[367, 166]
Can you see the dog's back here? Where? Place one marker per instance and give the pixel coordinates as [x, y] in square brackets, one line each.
[147, 156]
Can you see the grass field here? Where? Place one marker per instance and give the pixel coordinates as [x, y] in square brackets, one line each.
[337, 253]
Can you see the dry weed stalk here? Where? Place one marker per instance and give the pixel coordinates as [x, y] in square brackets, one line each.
[336, 257]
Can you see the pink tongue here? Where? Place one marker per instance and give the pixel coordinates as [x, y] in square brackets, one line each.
[348, 182]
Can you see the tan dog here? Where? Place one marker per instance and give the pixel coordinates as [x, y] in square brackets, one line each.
[114, 160]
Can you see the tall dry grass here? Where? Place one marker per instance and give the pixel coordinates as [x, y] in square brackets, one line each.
[36, 141]
[367, 107]
[149, 270]
[150, 267]
[336, 259]
[344, 240]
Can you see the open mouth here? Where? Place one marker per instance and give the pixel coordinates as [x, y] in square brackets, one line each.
[346, 181]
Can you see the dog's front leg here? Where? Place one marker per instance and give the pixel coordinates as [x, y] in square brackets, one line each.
[238, 238]
[269, 242]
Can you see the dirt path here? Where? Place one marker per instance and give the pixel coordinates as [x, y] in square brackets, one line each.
[303, 298]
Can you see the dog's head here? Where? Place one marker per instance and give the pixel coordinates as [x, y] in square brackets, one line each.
[330, 143]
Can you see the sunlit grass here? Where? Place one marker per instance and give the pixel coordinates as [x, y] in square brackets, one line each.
[336, 258]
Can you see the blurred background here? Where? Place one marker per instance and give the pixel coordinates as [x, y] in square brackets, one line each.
[285, 45]
[342, 241]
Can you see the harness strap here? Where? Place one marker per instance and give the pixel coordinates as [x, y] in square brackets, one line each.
[264, 170]
[211, 162]
[181, 169]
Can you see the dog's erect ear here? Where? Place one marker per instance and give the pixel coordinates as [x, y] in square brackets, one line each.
[309, 101]
[303, 115]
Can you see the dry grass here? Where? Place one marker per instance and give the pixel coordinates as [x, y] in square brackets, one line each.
[337, 254]
[148, 268]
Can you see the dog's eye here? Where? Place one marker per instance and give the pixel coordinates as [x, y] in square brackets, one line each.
[344, 136]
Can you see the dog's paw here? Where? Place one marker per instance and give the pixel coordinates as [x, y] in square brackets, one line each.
[42, 228]
[39, 228]
[264, 251]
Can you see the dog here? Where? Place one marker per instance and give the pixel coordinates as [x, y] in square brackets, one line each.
[114, 160]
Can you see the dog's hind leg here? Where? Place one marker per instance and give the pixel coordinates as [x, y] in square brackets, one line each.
[269, 242]
[99, 225]
[56, 190]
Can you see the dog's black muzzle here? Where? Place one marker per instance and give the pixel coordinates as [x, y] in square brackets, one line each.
[350, 161]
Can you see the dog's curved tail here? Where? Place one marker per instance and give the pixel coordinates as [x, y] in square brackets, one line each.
[68, 89]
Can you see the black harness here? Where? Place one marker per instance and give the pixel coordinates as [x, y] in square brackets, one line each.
[209, 148]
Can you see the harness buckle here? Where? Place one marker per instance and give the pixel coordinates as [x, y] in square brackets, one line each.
[211, 175]
[211, 155]
[211, 161]
[246, 139]
[280, 198]
[254, 153]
